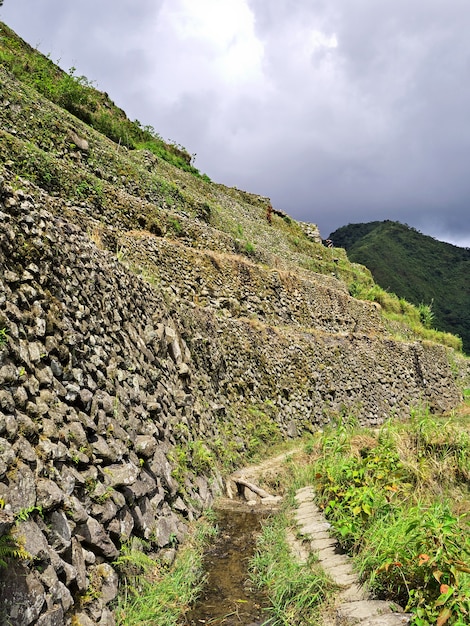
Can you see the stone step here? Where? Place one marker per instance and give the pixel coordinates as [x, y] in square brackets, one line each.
[370, 613]
[354, 607]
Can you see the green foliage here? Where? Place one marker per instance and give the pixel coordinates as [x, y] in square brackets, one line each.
[134, 561]
[426, 315]
[11, 550]
[24, 514]
[295, 591]
[191, 456]
[202, 459]
[261, 428]
[380, 495]
[152, 593]
[3, 337]
[415, 267]
[175, 225]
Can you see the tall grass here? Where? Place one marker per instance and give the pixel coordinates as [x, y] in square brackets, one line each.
[152, 593]
[295, 591]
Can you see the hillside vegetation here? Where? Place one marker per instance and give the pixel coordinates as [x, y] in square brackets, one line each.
[397, 500]
[156, 330]
[415, 267]
[129, 182]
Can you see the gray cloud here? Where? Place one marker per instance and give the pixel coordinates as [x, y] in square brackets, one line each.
[339, 111]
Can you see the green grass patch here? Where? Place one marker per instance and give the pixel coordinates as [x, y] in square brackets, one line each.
[398, 501]
[295, 591]
[152, 593]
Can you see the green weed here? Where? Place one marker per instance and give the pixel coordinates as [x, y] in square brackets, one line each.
[3, 337]
[295, 591]
[150, 592]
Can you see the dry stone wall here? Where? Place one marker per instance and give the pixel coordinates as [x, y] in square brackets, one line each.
[104, 375]
[237, 287]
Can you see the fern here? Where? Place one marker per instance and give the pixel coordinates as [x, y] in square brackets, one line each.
[11, 548]
[133, 561]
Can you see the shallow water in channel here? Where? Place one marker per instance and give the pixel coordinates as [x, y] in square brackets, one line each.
[229, 599]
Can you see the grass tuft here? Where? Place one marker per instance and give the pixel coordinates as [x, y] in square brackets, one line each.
[152, 593]
[295, 591]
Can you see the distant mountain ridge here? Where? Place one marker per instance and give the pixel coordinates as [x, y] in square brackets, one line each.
[415, 267]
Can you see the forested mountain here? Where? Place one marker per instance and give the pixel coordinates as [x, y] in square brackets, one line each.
[415, 267]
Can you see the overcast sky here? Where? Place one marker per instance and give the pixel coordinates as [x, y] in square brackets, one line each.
[340, 111]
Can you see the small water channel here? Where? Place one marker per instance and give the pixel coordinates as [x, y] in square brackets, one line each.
[229, 599]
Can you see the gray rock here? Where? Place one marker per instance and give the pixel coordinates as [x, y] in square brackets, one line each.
[102, 449]
[166, 527]
[7, 452]
[144, 486]
[60, 594]
[62, 568]
[53, 617]
[107, 618]
[95, 536]
[49, 495]
[82, 619]
[7, 520]
[75, 510]
[145, 445]
[121, 475]
[106, 580]
[49, 577]
[78, 562]
[122, 525]
[22, 595]
[59, 532]
[35, 542]
[21, 492]
[25, 450]
[7, 402]
[160, 467]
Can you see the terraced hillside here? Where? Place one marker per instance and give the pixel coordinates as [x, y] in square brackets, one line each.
[155, 329]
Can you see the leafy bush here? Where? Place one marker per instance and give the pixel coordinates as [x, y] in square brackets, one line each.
[379, 493]
[426, 315]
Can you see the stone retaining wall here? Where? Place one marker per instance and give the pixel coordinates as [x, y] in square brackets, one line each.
[104, 375]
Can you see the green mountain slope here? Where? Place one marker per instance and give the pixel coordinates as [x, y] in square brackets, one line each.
[415, 267]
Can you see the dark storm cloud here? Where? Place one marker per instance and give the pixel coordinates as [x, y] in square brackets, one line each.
[406, 66]
[339, 111]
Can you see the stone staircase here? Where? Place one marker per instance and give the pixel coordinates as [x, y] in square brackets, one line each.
[353, 605]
